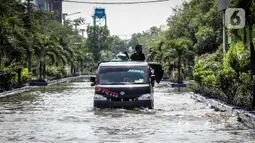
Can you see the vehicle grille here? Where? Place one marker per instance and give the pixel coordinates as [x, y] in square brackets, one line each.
[122, 99]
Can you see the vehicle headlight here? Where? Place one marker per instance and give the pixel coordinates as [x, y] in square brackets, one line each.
[100, 97]
[145, 97]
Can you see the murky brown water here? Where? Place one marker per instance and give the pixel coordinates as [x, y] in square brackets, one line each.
[64, 113]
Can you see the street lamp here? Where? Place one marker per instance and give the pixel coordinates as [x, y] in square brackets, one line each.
[65, 15]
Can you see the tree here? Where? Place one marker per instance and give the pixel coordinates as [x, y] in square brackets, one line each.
[119, 45]
[178, 48]
[98, 40]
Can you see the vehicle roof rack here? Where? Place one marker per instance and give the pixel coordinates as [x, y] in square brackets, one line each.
[118, 61]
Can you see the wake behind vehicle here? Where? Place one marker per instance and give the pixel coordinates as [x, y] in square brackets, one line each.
[124, 85]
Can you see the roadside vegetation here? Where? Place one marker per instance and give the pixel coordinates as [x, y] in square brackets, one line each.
[194, 35]
[33, 45]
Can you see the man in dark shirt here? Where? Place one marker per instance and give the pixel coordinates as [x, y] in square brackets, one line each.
[138, 55]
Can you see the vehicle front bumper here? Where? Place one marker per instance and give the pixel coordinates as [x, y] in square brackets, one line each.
[123, 104]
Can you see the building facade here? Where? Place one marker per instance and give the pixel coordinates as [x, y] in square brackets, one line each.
[42, 5]
[57, 6]
[50, 5]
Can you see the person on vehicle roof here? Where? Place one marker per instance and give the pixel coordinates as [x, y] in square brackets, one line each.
[138, 55]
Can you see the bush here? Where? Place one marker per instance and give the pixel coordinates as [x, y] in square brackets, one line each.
[51, 72]
[55, 72]
[232, 83]
[208, 92]
[243, 97]
[62, 71]
[238, 59]
[200, 76]
[174, 77]
[26, 76]
[227, 83]
[210, 81]
[9, 79]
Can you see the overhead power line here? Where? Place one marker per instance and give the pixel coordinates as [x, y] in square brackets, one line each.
[115, 3]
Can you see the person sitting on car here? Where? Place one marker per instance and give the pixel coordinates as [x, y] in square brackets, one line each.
[138, 55]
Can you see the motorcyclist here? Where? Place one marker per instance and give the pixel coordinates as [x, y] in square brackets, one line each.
[138, 55]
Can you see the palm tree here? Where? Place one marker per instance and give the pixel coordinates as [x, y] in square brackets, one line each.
[45, 45]
[178, 48]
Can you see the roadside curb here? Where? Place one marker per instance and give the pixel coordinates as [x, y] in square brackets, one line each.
[63, 80]
[15, 91]
[27, 88]
[243, 116]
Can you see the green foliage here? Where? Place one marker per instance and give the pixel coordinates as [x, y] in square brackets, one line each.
[119, 45]
[243, 96]
[8, 78]
[237, 58]
[206, 40]
[230, 82]
[26, 76]
[98, 40]
[150, 40]
[36, 38]
[55, 72]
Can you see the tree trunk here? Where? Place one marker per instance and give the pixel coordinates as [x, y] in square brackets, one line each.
[71, 69]
[19, 76]
[40, 69]
[179, 69]
[29, 57]
[252, 53]
[44, 70]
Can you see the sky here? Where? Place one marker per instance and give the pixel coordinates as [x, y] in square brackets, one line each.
[124, 20]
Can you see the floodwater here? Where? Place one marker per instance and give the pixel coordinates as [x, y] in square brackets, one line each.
[64, 113]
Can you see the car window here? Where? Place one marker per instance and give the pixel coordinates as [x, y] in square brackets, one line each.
[125, 75]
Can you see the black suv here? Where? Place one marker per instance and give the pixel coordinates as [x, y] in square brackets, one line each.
[124, 85]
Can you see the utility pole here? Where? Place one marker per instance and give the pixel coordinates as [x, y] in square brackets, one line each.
[225, 36]
[222, 6]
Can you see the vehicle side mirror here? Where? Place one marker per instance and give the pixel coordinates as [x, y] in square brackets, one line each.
[93, 80]
[93, 84]
[153, 77]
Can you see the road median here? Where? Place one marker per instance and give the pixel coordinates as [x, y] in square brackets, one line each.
[27, 88]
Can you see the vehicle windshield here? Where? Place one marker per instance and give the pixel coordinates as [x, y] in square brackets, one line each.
[123, 75]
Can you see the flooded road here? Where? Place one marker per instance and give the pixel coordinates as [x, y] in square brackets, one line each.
[64, 113]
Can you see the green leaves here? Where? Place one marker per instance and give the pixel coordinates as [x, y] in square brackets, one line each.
[237, 58]
[37, 38]
[98, 40]
[206, 40]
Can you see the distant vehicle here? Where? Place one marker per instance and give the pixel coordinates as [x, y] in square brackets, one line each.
[124, 84]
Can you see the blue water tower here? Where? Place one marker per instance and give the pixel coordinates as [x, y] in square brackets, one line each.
[99, 14]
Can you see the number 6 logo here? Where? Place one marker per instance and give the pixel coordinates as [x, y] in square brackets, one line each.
[235, 18]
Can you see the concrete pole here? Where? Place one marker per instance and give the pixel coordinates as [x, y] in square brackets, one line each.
[225, 36]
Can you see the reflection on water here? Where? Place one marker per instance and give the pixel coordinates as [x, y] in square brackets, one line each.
[64, 113]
